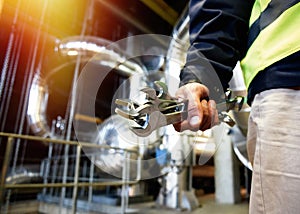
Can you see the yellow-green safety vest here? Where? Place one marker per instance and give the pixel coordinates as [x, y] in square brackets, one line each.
[273, 35]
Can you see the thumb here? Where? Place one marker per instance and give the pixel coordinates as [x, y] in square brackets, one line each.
[194, 113]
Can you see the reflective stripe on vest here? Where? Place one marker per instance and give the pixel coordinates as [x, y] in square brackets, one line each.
[274, 34]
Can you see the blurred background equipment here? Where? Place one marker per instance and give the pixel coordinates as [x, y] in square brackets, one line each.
[45, 47]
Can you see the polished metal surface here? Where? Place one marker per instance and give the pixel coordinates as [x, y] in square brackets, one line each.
[37, 106]
[87, 47]
[114, 132]
[239, 136]
[159, 109]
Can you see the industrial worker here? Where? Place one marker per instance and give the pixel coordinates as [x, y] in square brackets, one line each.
[264, 35]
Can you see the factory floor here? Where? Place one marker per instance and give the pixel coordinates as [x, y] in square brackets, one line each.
[210, 206]
[207, 205]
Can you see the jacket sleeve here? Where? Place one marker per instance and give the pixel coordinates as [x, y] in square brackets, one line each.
[218, 39]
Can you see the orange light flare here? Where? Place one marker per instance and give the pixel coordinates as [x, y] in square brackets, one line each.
[59, 18]
[31, 29]
[41, 24]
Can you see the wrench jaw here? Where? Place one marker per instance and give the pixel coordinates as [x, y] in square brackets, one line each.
[138, 120]
[149, 118]
[234, 104]
[156, 120]
[160, 109]
[142, 132]
[225, 118]
[163, 91]
[150, 93]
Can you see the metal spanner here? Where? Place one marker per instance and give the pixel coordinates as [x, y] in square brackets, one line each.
[161, 109]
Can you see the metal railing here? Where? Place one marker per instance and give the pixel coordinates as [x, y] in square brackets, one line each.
[6, 187]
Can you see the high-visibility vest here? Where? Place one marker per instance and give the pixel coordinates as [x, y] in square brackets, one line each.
[273, 35]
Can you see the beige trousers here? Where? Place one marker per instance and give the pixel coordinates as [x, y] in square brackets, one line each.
[274, 150]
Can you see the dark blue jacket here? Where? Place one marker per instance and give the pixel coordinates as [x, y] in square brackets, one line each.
[219, 32]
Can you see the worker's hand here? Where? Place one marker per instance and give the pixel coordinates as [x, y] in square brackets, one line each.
[202, 112]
